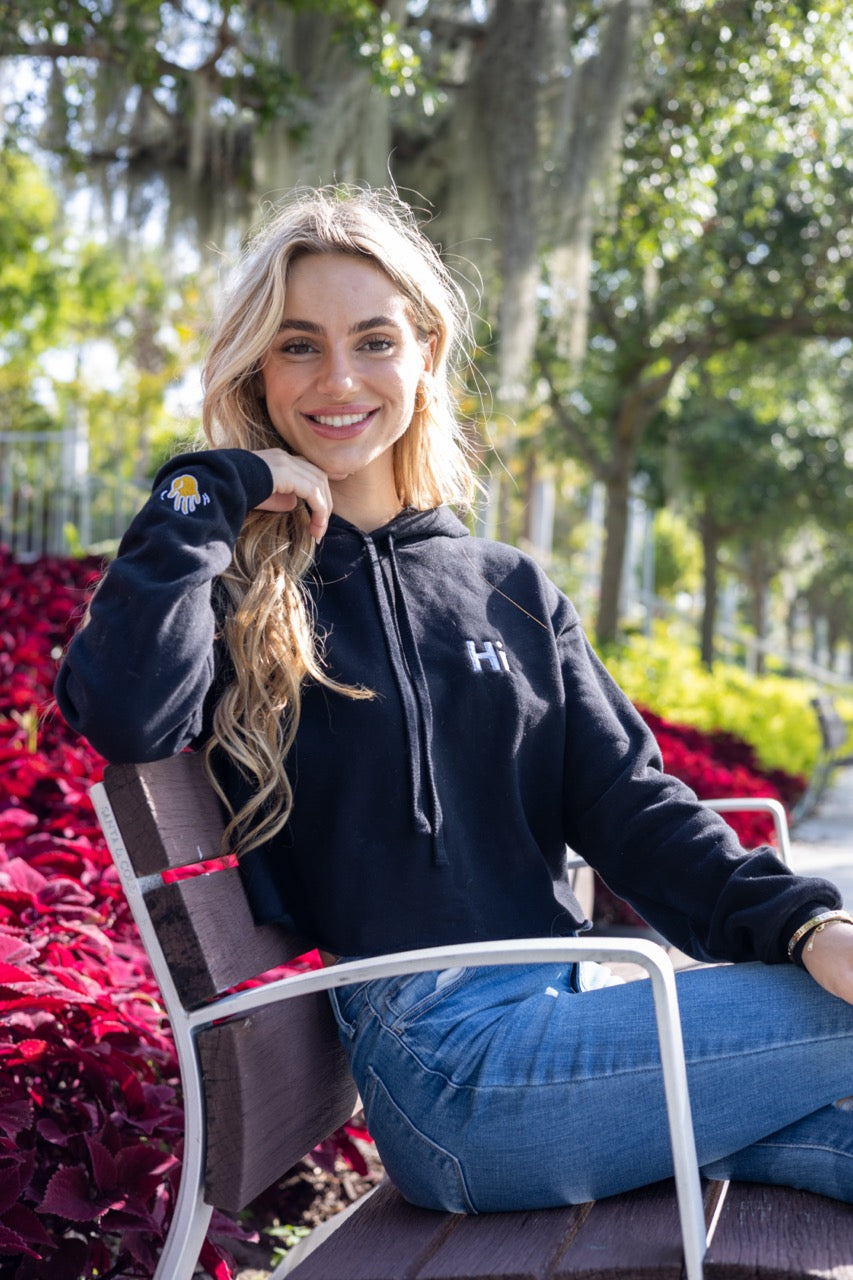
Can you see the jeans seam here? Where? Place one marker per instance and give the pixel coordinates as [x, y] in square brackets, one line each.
[803, 1146]
[424, 1005]
[376, 1083]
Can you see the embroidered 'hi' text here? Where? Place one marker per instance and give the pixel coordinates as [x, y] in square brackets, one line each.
[491, 654]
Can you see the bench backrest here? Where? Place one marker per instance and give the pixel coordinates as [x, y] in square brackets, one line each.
[834, 731]
[282, 1063]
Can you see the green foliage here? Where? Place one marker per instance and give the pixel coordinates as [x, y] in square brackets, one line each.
[286, 1237]
[30, 289]
[677, 555]
[730, 228]
[87, 334]
[772, 712]
[372, 38]
[191, 83]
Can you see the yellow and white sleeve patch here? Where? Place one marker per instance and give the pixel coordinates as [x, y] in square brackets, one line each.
[185, 494]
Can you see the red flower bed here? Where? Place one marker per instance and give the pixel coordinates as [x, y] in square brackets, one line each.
[718, 765]
[91, 1121]
[90, 1110]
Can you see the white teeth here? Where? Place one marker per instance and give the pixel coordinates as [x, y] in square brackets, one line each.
[339, 419]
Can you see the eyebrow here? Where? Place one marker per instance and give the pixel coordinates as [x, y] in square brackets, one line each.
[362, 326]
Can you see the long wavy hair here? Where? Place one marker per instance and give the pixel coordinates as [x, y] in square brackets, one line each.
[267, 623]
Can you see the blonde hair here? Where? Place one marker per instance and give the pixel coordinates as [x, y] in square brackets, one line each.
[268, 627]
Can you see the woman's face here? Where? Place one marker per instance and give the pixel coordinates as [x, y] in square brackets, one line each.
[340, 379]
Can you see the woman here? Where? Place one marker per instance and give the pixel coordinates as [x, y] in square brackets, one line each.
[407, 725]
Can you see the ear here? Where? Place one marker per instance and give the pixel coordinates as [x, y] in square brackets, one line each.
[429, 351]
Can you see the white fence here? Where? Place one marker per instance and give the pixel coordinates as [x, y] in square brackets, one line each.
[50, 504]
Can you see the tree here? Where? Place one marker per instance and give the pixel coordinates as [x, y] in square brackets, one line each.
[30, 288]
[828, 597]
[760, 458]
[727, 226]
[732, 230]
[84, 332]
[505, 114]
[747, 493]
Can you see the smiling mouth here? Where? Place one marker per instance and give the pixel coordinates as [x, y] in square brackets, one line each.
[340, 419]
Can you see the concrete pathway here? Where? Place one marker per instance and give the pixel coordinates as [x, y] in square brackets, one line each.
[822, 844]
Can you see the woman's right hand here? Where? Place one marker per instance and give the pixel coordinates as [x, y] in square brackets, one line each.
[295, 478]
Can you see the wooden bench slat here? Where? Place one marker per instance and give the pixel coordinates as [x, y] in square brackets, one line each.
[206, 929]
[386, 1239]
[634, 1236]
[777, 1233]
[277, 1082]
[511, 1246]
[167, 812]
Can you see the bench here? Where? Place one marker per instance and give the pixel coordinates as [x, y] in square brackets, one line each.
[835, 735]
[265, 1080]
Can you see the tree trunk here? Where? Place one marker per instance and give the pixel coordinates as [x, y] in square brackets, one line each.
[710, 536]
[626, 432]
[758, 577]
[615, 541]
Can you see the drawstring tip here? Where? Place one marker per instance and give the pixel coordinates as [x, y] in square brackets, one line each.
[440, 851]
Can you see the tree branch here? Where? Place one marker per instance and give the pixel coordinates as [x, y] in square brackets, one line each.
[571, 426]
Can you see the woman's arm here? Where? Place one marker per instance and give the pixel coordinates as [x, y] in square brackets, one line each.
[678, 864]
[135, 676]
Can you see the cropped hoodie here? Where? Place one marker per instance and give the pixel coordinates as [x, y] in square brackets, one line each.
[439, 810]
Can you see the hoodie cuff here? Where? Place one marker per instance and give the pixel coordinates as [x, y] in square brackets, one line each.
[251, 473]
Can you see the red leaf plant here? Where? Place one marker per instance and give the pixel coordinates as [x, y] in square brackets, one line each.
[90, 1110]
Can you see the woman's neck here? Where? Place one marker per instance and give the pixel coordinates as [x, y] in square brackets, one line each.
[363, 506]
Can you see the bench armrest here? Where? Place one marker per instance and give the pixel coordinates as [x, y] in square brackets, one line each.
[763, 804]
[649, 955]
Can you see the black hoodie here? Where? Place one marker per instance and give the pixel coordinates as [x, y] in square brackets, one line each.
[438, 810]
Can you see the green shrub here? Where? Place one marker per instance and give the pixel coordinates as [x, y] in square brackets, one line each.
[772, 713]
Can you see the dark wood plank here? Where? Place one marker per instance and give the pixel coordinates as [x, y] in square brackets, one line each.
[776, 1233]
[208, 935]
[166, 811]
[511, 1246]
[636, 1236]
[385, 1239]
[276, 1084]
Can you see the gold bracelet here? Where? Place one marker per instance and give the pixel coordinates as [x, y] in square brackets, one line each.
[823, 924]
[816, 925]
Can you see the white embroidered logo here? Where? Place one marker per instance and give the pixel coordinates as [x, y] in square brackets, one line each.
[185, 494]
[492, 654]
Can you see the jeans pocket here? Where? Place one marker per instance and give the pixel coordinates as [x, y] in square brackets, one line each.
[418, 998]
[347, 1004]
[424, 1172]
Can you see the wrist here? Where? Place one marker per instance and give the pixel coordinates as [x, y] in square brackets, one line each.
[803, 938]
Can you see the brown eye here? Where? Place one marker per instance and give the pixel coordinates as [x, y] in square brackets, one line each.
[297, 347]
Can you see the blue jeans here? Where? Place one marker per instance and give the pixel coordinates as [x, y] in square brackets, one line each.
[518, 1088]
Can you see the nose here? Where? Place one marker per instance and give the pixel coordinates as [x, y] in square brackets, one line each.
[336, 376]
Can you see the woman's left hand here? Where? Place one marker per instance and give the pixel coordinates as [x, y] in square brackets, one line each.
[828, 956]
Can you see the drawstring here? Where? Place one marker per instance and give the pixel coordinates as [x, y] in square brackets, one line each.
[416, 672]
[414, 696]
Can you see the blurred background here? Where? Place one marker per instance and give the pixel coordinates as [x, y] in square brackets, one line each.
[649, 205]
